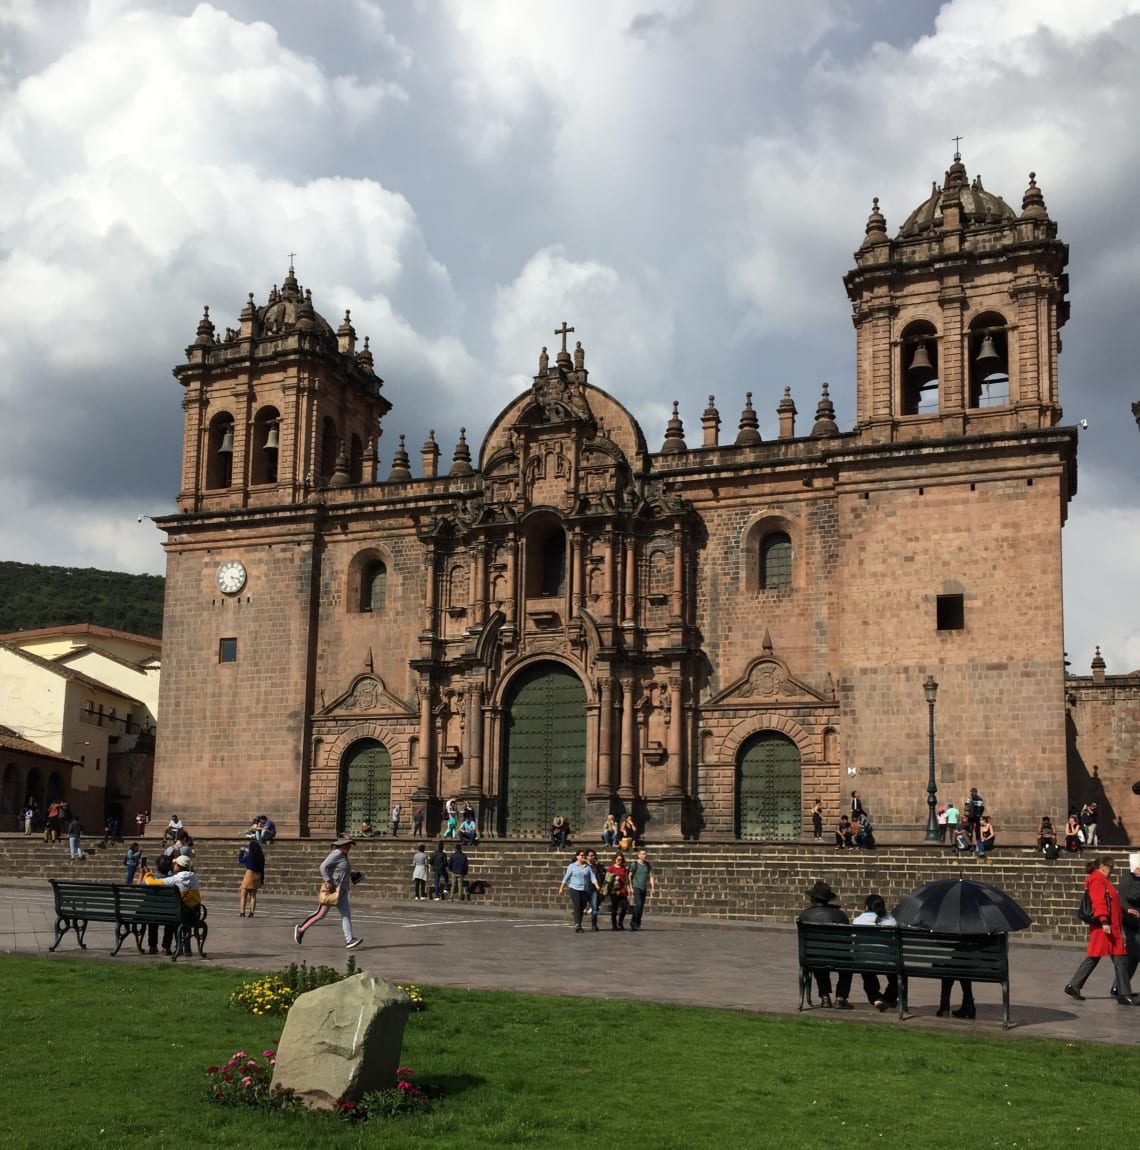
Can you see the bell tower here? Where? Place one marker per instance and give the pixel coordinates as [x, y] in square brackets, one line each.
[279, 406]
[958, 317]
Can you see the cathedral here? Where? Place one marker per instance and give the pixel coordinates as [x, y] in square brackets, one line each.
[710, 634]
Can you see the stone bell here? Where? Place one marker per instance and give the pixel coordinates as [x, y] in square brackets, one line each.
[921, 369]
[988, 358]
[227, 447]
[271, 438]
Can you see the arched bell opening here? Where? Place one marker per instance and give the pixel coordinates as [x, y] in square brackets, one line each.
[988, 359]
[220, 451]
[920, 369]
[329, 442]
[263, 458]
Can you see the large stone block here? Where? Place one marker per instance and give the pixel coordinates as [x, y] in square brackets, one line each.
[343, 1040]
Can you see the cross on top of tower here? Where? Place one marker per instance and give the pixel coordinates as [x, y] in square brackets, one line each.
[957, 150]
[563, 331]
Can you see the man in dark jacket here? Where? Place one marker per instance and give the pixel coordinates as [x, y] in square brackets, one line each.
[438, 864]
[457, 864]
[1130, 905]
[821, 910]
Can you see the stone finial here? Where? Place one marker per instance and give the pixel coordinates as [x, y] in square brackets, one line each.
[786, 411]
[766, 644]
[205, 336]
[876, 226]
[579, 357]
[401, 465]
[306, 316]
[1098, 666]
[543, 362]
[247, 326]
[710, 424]
[1033, 202]
[289, 285]
[825, 424]
[674, 434]
[430, 455]
[346, 335]
[364, 358]
[341, 476]
[461, 460]
[749, 433]
[368, 461]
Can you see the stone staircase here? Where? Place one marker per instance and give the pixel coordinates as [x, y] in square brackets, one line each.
[746, 882]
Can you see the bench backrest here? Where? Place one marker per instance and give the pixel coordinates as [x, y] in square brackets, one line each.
[840, 946]
[85, 899]
[984, 957]
[149, 902]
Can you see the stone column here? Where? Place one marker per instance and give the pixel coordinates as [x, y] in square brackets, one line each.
[578, 572]
[608, 612]
[628, 741]
[430, 591]
[480, 583]
[627, 615]
[606, 735]
[473, 756]
[678, 572]
[674, 769]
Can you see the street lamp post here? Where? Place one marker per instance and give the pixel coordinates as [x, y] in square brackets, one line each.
[930, 690]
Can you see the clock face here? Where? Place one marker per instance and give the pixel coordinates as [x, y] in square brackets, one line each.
[231, 577]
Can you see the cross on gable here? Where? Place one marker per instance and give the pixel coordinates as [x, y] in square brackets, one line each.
[563, 331]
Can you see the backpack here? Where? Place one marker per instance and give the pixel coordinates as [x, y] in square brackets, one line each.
[1085, 910]
[1051, 850]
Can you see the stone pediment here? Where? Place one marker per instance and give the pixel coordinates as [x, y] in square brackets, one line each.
[768, 683]
[368, 696]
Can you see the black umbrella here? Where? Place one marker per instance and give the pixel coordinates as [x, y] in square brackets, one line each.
[961, 906]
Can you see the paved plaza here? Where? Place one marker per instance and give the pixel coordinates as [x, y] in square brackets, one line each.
[692, 961]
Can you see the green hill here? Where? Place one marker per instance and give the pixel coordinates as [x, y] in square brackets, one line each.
[32, 596]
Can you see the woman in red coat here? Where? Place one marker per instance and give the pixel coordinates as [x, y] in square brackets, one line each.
[1106, 935]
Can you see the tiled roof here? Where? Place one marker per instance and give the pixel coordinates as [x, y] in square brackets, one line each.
[10, 741]
[66, 672]
[81, 629]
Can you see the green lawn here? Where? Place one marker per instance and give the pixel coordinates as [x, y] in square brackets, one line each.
[99, 1054]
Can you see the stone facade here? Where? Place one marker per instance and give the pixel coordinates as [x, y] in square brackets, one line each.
[708, 636]
[1104, 748]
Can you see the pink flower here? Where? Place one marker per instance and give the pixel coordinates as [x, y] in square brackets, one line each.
[247, 1081]
[268, 1054]
[403, 1072]
[240, 1055]
[211, 1070]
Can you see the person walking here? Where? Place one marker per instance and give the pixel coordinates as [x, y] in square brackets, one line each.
[596, 892]
[75, 839]
[579, 877]
[395, 820]
[417, 822]
[420, 874]
[644, 883]
[616, 886]
[1106, 935]
[252, 857]
[336, 874]
[1130, 918]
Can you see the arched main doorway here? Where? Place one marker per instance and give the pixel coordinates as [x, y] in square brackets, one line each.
[365, 786]
[768, 788]
[544, 750]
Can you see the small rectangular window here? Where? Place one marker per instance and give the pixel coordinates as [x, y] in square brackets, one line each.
[227, 651]
[951, 613]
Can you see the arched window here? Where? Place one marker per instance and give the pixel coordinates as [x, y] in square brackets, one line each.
[329, 441]
[553, 563]
[776, 562]
[356, 460]
[220, 451]
[374, 587]
[920, 362]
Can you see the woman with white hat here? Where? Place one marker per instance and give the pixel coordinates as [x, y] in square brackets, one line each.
[336, 877]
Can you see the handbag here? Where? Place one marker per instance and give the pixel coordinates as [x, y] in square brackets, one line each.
[1085, 910]
[328, 895]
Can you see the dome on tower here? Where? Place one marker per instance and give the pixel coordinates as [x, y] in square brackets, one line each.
[979, 207]
[286, 306]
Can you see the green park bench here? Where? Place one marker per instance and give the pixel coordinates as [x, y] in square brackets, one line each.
[903, 952]
[131, 909]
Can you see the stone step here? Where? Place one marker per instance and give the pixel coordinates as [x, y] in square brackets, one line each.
[750, 881]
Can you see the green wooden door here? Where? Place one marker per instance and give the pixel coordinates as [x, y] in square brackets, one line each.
[544, 753]
[768, 788]
[365, 786]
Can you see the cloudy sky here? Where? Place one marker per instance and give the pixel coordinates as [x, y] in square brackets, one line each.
[685, 181]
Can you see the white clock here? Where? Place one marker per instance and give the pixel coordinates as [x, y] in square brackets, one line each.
[231, 577]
